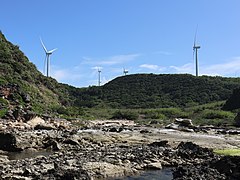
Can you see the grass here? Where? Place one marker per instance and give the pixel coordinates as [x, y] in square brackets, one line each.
[228, 152]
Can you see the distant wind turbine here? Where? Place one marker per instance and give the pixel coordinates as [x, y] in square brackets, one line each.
[195, 52]
[47, 59]
[99, 77]
[125, 71]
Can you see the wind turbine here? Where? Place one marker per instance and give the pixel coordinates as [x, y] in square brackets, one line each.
[47, 59]
[99, 77]
[125, 71]
[195, 52]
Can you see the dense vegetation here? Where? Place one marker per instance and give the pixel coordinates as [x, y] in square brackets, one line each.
[166, 90]
[234, 101]
[138, 96]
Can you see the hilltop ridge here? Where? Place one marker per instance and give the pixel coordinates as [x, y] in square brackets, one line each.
[23, 86]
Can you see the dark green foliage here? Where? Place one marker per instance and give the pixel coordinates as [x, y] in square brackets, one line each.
[3, 112]
[165, 94]
[125, 114]
[159, 91]
[234, 101]
[217, 114]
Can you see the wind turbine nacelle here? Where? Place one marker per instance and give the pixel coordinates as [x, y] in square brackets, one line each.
[196, 47]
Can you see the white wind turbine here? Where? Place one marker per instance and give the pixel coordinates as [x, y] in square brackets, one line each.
[47, 59]
[125, 71]
[195, 51]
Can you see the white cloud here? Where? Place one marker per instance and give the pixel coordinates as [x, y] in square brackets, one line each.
[96, 68]
[165, 53]
[118, 59]
[225, 69]
[65, 75]
[149, 66]
[230, 68]
[186, 68]
[153, 67]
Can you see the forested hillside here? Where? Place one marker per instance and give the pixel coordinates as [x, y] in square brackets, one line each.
[155, 91]
[234, 101]
[23, 86]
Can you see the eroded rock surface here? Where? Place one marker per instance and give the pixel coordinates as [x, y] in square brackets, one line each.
[97, 153]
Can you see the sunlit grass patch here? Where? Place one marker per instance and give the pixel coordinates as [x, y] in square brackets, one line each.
[228, 152]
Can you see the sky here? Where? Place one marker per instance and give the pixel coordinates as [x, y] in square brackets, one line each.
[141, 36]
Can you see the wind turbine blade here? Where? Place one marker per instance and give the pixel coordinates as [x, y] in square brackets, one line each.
[52, 50]
[45, 49]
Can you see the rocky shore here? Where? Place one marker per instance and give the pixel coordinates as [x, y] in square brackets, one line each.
[58, 149]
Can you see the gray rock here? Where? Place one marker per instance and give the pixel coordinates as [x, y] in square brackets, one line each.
[8, 142]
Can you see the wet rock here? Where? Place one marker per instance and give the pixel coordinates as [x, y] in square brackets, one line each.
[184, 122]
[54, 145]
[159, 144]
[190, 150]
[191, 172]
[71, 142]
[145, 131]
[228, 165]
[8, 142]
[44, 127]
[153, 165]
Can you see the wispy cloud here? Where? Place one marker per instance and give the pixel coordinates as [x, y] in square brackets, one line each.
[96, 68]
[152, 67]
[229, 68]
[88, 75]
[165, 53]
[113, 60]
[65, 75]
[186, 68]
[225, 69]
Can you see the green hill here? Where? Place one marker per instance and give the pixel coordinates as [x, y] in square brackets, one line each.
[23, 88]
[156, 91]
[234, 101]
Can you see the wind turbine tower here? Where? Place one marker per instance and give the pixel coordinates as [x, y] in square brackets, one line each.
[99, 77]
[47, 59]
[125, 71]
[195, 51]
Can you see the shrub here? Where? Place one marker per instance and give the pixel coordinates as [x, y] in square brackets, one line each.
[3, 112]
[125, 114]
[172, 112]
[154, 114]
[217, 114]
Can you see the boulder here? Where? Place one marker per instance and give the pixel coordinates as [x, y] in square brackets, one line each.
[28, 115]
[54, 145]
[4, 159]
[154, 165]
[163, 143]
[184, 122]
[71, 142]
[44, 127]
[35, 121]
[8, 142]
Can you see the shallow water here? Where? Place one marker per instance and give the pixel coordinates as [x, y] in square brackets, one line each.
[28, 154]
[164, 174]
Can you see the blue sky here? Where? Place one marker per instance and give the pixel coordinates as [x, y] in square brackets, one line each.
[142, 36]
